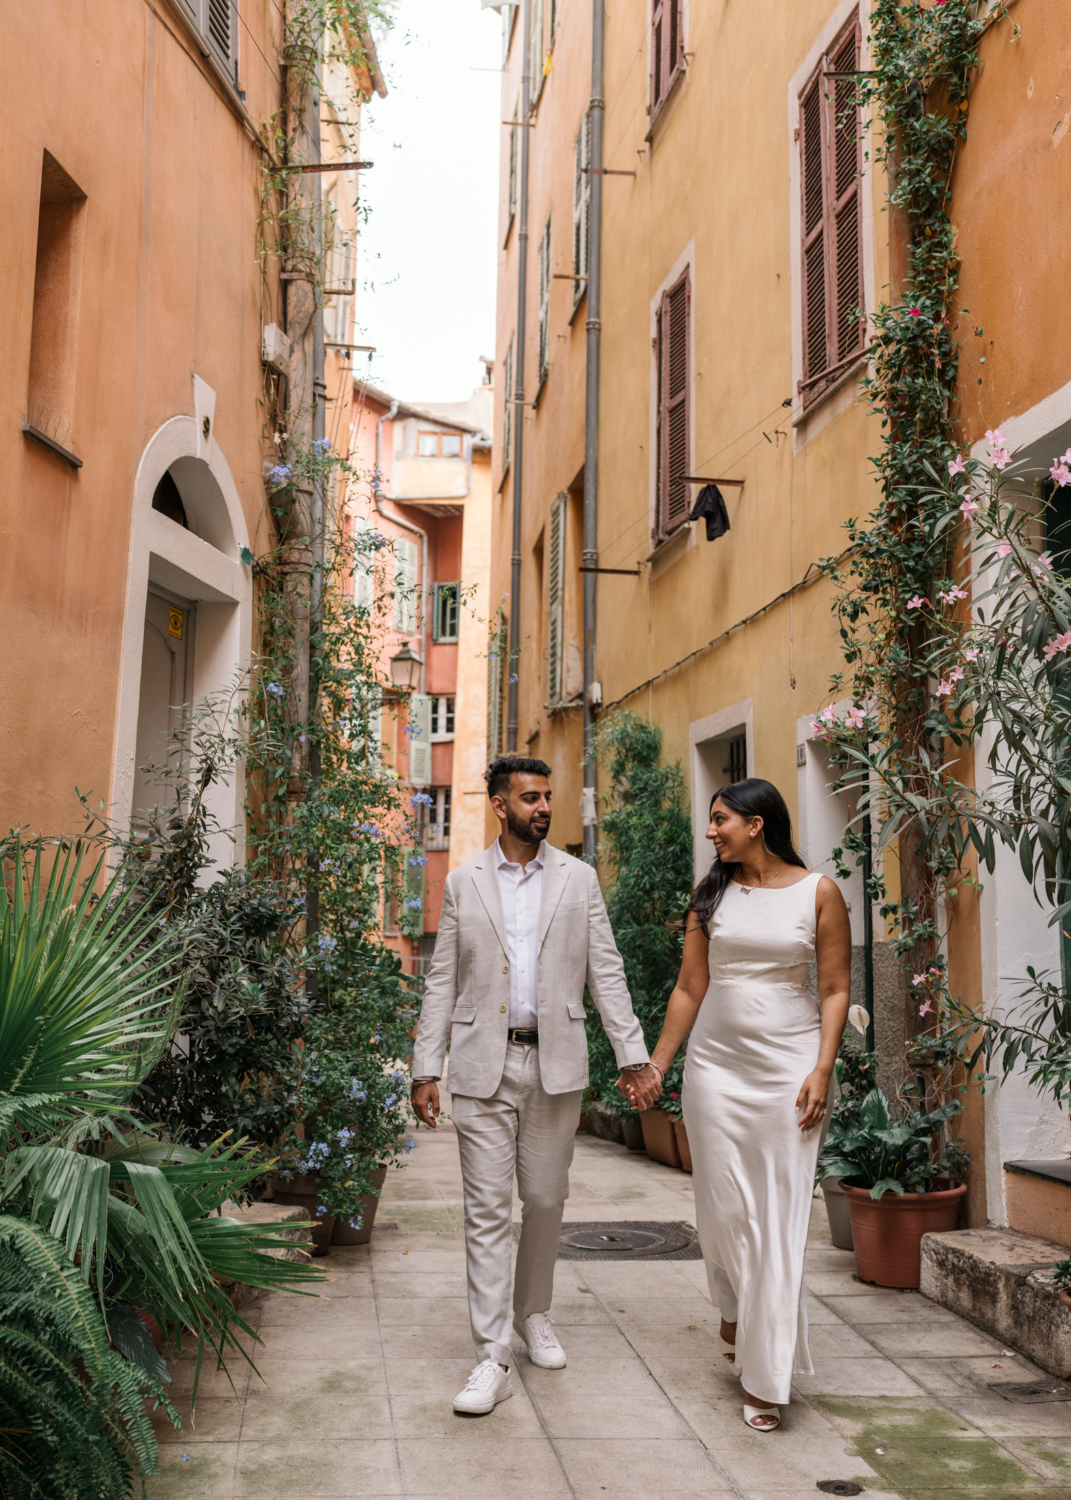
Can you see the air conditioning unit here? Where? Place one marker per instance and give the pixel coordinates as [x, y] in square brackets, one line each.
[275, 348]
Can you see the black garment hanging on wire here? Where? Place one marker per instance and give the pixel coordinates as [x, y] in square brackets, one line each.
[711, 504]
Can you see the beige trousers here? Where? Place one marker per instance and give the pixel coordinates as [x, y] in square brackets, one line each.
[521, 1131]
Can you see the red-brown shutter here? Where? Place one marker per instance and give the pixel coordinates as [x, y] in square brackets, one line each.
[658, 18]
[673, 405]
[667, 58]
[830, 161]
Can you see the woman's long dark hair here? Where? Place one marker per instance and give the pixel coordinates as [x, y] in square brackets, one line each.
[753, 798]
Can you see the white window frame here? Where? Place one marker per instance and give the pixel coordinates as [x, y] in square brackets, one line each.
[544, 303]
[437, 827]
[559, 513]
[535, 54]
[443, 718]
[581, 206]
[507, 408]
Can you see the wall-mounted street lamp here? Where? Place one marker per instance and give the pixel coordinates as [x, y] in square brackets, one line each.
[405, 668]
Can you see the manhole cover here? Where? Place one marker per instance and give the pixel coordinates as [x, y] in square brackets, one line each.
[840, 1487]
[632, 1240]
[618, 1240]
[1031, 1392]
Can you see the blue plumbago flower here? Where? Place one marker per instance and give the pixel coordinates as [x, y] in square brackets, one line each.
[332, 865]
[418, 861]
[298, 900]
[390, 1101]
[513, 677]
[370, 828]
[279, 473]
[410, 1143]
[357, 1091]
[410, 730]
[327, 944]
[318, 1153]
[320, 1209]
[275, 689]
[321, 445]
[414, 904]
[356, 1223]
[421, 800]
[398, 1076]
[345, 1135]
[378, 540]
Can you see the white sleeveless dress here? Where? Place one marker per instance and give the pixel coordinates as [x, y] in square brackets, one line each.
[753, 1043]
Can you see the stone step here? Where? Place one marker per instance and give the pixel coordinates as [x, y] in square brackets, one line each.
[1002, 1281]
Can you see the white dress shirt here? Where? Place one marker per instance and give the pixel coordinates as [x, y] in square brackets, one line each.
[521, 888]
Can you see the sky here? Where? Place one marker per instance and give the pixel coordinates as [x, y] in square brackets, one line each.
[427, 255]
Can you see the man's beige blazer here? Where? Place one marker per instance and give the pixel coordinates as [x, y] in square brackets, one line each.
[466, 996]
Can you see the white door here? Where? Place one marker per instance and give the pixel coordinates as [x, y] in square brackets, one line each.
[165, 658]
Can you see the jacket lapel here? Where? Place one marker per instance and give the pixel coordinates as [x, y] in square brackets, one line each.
[485, 879]
[555, 879]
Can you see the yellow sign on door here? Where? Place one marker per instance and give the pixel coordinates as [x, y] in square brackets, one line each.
[174, 622]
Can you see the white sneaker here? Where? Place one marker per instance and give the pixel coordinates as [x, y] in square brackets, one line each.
[488, 1384]
[538, 1338]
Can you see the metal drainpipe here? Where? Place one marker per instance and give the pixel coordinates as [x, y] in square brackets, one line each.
[377, 499]
[591, 402]
[518, 394]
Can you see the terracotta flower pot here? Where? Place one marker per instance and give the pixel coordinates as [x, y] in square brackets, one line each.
[683, 1148]
[632, 1130]
[321, 1233]
[839, 1212]
[299, 1190]
[659, 1137]
[888, 1232]
[584, 1125]
[344, 1234]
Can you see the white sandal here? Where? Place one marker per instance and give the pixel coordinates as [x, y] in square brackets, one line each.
[751, 1412]
[728, 1352]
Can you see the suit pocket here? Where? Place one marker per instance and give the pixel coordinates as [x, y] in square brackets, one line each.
[464, 1015]
[576, 1010]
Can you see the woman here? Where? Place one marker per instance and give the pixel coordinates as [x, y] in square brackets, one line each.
[756, 1078]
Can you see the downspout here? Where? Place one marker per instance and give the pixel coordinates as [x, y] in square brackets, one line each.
[591, 407]
[388, 515]
[518, 393]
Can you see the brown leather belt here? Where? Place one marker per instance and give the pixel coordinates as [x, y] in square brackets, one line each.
[527, 1036]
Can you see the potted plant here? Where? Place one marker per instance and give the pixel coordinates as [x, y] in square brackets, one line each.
[901, 1174]
[670, 1104]
[855, 1070]
[660, 1124]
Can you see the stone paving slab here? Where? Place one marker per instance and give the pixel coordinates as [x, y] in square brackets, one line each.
[354, 1394]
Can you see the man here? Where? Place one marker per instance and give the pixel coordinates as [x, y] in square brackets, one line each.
[523, 929]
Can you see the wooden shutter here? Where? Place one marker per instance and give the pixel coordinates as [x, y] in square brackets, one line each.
[405, 583]
[420, 739]
[666, 48]
[363, 563]
[830, 163]
[581, 204]
[544, 303]
[535, 55]
[512, 201]
[507, 409]
[221, 34]
[673, 416]
[556, 599]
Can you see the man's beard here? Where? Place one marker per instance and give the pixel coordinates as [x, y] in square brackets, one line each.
[522, 829]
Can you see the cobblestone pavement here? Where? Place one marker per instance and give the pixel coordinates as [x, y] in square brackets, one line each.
[356, 1393]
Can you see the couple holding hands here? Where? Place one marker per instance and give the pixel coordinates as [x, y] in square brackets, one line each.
[523, 930]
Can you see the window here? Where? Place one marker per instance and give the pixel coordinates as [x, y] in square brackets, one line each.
[559, 511]
[437, 828]
[442, 719]
[511, 202]
[445, 609]
[581, 204]
[535, 54]
[507, 412]
[666, 51]
[419, 735]
[736, 770]
[216, 23]
[405, 585]
[438, 445]
[363, 563]
[544, 303]
[497, 656]
[671, 343]
[830, 163]
[56, 297]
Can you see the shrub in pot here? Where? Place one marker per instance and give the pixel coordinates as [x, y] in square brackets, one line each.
[670, 1104]
[901, 1174]
[855, 1070]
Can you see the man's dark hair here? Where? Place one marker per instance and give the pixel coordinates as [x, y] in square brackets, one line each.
[498, 773]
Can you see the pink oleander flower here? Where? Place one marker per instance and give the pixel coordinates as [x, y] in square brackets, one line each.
[943, 689]
[969, 506]
[917, 979]
[934, 969]
[956, 674]
[1060, 473]
[1001, 458]
[951, 595]
[926, 1008]
[1057, 644]
[917, 603]
[855, 717]
[818, 731]
[994, 437]
[1002, 549]
[972, 654]
[916, 312]
[956, 466]
[1044, 561]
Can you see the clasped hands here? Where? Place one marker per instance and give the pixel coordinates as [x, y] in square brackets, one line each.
[641, 1086]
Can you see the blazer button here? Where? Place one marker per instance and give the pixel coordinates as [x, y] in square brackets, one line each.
[502, 1008]
[505, 968]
